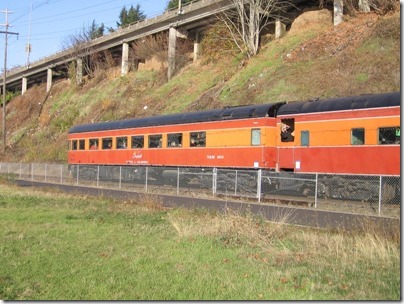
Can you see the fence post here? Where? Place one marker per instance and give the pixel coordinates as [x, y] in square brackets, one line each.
[235, 183]
[214, 181]
[178, 181]
[61, 174]
[46, 167]
[77, 177]
[316, 191]
[147, 177]
[20, 170]
[259, 179]
[380, 194]
[32, 171]
[120, 176]
[98, 175]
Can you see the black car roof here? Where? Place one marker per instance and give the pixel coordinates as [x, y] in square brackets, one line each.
[339, 104]
[238, 112]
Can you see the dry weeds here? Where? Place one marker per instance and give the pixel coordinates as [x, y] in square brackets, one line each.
[335, 41]
[283, 243]
[145, 204]
[232, 226]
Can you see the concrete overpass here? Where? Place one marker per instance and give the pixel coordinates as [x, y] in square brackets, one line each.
[187, 23]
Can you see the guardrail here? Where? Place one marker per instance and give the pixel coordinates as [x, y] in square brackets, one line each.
[362, 194]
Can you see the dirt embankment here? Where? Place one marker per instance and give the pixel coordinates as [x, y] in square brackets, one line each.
[336, 39]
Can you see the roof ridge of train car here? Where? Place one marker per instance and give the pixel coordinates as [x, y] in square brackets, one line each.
[366, 101]
[226, 113]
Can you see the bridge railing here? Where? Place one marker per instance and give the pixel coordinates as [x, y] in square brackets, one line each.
[361, 194]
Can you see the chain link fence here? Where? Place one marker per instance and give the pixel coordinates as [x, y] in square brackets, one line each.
[362, 194]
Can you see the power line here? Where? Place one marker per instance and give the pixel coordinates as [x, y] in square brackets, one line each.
[55, 17]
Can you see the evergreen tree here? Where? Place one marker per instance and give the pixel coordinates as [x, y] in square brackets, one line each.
[95, 31]
[134, 14]
[173, 4]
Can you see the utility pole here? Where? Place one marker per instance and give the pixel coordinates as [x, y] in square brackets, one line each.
[28, 47]
[6, 32]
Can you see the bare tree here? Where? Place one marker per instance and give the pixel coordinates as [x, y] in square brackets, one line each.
[156, 46]
[249, 18]
[84, 36]
[80, 46]
[151, 46]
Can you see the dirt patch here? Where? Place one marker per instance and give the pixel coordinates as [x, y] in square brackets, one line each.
[320, 18]
[152, 64]
[345, 35]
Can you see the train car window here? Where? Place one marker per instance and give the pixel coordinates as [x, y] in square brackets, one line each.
[288, 130]
[358, 136]
[94, 144]
[137, 141]
[74, 144]
[198, 139]
[174, 140]
[107, 143]
[82, 144]
[155, 141]
[255, 137]
[389, 136]
[305, 138]
[122, 143]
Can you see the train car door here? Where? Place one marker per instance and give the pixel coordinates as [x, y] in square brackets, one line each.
[286, 145]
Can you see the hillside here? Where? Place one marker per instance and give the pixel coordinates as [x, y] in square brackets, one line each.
[313, 59]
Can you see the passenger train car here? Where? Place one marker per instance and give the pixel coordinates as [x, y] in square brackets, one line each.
[354, 135]
[350, 135]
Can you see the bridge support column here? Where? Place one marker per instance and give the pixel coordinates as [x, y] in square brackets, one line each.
[172, 44]
[136, 64]
[24, 85]
[280, 29]
[79, 71]
[49, 80]
[197, 47]
[172, 47]
[338, 11]
[125, 59]
[364, 6]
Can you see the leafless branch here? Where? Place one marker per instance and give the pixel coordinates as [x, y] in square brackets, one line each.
[249, 17]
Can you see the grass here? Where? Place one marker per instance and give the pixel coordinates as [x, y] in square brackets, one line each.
[56, 246]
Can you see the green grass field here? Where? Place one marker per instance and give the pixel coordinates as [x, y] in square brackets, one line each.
[56, 246]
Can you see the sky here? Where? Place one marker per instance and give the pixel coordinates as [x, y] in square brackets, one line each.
[47, 24]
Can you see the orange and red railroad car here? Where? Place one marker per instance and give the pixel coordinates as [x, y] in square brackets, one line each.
[353, 135]
[238, 137]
